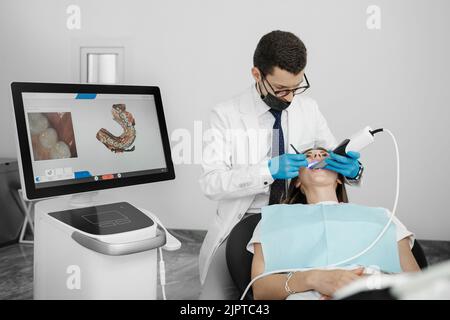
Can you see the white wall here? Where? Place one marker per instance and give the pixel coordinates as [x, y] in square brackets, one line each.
[200, 53]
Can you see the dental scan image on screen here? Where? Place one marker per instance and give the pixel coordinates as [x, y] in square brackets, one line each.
[123, 142]
[76, 138]
[52, 135]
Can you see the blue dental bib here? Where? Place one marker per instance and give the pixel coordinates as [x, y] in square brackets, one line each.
[297, 236]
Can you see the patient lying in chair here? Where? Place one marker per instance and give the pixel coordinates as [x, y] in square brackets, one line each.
[314, 227]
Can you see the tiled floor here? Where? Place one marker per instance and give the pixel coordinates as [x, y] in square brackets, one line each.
[16, 267]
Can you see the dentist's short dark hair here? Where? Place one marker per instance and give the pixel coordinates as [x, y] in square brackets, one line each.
[280, 49]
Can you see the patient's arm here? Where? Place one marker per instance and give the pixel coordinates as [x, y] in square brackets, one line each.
[324, 281]
[272, 286]
[407, 260]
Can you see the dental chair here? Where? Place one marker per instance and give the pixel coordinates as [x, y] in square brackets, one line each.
[239, 260]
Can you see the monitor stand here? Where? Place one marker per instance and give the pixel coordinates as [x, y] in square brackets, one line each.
[85, 199]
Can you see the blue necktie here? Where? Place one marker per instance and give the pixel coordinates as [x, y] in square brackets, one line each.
[278, 187]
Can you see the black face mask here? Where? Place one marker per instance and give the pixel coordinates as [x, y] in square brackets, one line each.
[274, 102]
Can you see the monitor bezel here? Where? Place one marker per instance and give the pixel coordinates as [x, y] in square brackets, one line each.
[24, 152]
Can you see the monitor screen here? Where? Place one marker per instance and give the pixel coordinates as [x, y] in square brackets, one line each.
[81, 141]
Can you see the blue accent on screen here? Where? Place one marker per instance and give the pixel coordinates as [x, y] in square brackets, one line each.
[86, 96]
[82, 174]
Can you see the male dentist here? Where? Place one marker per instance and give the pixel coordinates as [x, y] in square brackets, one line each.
[249, 161]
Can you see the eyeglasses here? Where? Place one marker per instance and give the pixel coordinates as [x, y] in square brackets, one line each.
[285, 92]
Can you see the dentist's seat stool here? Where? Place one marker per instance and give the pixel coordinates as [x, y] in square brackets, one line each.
[102, 252]
[239, 260]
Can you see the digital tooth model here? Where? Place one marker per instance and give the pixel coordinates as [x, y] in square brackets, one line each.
[60, 150]
[48, 138]
[38, 123]
[123, 142]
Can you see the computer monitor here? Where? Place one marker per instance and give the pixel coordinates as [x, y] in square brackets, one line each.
[75, 138]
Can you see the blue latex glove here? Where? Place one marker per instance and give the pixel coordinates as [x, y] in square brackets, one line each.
[347, 166]
[287, 165]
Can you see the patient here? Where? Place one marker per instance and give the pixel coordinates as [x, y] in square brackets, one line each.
[313, 189]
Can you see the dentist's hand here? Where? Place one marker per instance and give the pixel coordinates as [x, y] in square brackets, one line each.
[347, 166]
[287, 165]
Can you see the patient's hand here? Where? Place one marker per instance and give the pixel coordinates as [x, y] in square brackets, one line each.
[328, 281]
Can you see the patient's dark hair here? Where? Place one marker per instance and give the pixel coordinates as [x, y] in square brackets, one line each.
[295, 195]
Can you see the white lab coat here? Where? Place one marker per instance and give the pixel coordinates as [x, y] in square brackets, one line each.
[235, 167]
